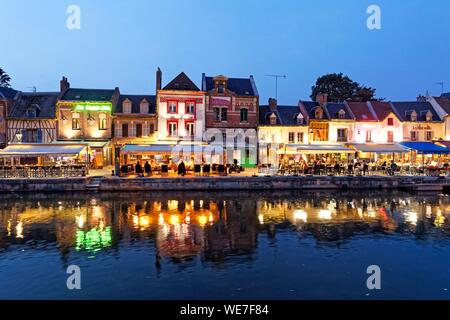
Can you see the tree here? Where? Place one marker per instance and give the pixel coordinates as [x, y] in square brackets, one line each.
[341, 88]
[4, 79]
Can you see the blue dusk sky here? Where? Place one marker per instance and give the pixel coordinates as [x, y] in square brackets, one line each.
[121, 43]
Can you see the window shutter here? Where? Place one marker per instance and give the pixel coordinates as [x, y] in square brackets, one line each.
[145, 130]
[118, 130]
[133, 129]
[39, 136]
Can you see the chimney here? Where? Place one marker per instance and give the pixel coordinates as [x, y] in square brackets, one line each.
[158, 79]
[273, 104]
[322, 99]
[64, 84]
[421, 98]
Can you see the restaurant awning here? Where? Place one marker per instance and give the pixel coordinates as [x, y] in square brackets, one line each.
[314, 149]
[91, 144]
[167, 149]
[34, 150]
[380, 148]
[425, 147]
[445, 144]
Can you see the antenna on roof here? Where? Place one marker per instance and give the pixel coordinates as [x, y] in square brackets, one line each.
[442, 86]
[34, 88]
[276, 76]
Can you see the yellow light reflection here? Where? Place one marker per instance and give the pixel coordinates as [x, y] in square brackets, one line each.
[202, 220]
[261, 219]
[411, 217]
[161, 221]
[301, 215]
[174, 219]
[19, 230]
[325, 214]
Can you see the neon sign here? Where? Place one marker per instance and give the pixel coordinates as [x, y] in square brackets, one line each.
[93, 107]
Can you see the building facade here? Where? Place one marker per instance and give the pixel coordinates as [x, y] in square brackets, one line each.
[85, 115]
[32, 118]
[134, 121]
[180, 109]
[7, 96]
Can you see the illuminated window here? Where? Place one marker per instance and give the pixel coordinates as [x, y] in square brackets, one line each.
[172, 128]
[429, 116]
[273, 119]
[190, 129]
[318, 113]
[172, 107]
[190, 107]
[244, 115]
[342, 135]
[102, 121]
[75, 121]
[300, 137]
[291, 137]
[390, 136]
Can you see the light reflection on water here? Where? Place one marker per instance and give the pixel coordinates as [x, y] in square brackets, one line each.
[209, 235]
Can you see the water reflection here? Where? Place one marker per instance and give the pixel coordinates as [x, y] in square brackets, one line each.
[211, 226]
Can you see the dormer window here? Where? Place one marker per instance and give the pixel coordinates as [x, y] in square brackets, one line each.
[220, 88]
[31, 112]
[144, 106]
[413, 116]
[318, 113]
[429, 116]
[300, 119]
[273, 119]
[126, 106]
[341, 114]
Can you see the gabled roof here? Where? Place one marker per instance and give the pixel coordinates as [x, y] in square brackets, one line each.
[7, 93]
[240, 86]
[444, 103]
[333, 109]
[181, 83]
[136, 103]
[446, 95]
[311, 107]
[404, 110]
[286, 115]
[94, 95]
[44, 103]
[362, 111]
[382, 109]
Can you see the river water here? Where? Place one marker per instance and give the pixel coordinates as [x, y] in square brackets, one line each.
[230, 245]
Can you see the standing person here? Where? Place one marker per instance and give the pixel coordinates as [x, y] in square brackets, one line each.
[117, 168]
[182, 169]
[138, 169]
[148, 169]
[365, 167]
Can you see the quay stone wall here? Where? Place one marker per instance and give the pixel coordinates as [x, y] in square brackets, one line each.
[91, 184]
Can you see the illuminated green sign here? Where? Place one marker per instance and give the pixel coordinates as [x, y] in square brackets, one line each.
[81, 107]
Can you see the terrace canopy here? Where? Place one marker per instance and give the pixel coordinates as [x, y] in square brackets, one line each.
[37, 150]
[314, 149]
[426, 148]
[380, 148]
[167, 148]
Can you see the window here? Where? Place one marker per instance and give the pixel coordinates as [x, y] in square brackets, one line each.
[368, 136]
[139, 130]
[291, 137]
[144, 106]
[342, 135]
[429, 136]
[390, 136]
[75, 121]
[300, 137]
[32, 112]
[172, 128]
[190, 107]
[273, 119]
[125, 130]
[224, 114]
[126, 106]
[220, 88]
[244, 115]
[217, 114]
[32, 136]
[413, 116]
[341, 114]
[102, 121]
[318, 113]
[414, 135]
[190, 129]
[429, 116]
[390, 122]
[152, 128]
[172, 107]
[300, 119]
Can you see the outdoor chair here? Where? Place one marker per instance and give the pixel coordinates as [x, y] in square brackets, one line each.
[197, 169]
[221, 170]
[164, 170]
